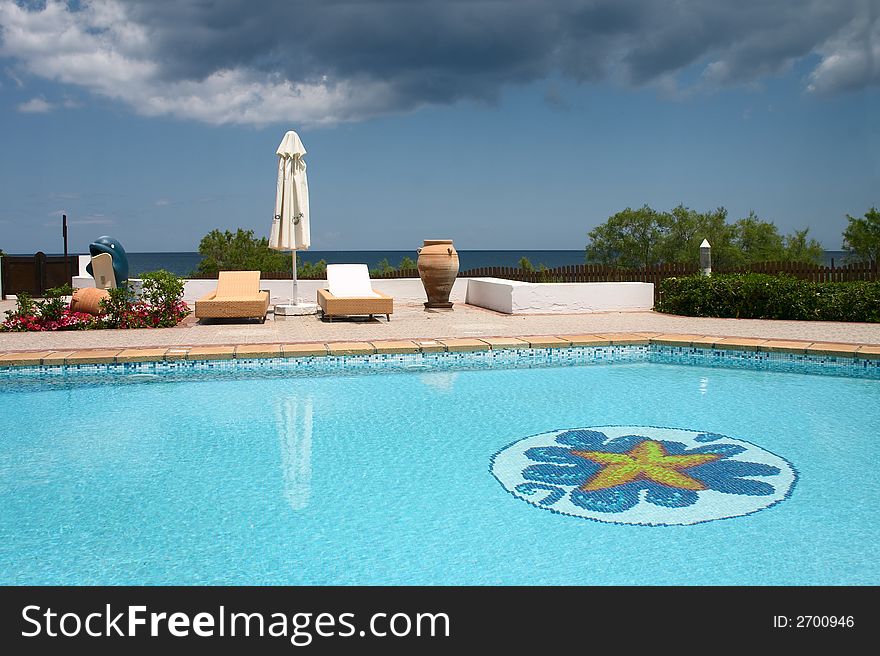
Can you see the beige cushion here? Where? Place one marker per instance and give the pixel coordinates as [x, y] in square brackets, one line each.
[238, 283]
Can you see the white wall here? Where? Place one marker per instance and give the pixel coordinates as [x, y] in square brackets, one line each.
[514, 297]
[508, 296]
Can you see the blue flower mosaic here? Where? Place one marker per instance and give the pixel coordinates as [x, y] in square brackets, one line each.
[643, 475]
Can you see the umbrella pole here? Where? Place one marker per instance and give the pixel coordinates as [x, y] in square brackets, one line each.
[295, 299]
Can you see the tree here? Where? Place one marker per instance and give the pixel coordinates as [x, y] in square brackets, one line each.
[637, 238]
[797, 248]
[757, 240]
[688, 228]
[240, 251]
[631, 238]
[862, 236]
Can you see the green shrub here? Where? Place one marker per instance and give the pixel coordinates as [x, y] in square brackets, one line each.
[385, 267]
[163, 293]
[762, 296]
[118, 307]
[314, 270]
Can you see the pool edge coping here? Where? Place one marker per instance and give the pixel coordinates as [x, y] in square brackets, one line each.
[203, 353]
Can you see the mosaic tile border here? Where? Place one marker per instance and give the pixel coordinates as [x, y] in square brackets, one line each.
[508, 356]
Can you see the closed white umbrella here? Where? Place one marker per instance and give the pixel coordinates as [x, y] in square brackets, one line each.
[290, 226]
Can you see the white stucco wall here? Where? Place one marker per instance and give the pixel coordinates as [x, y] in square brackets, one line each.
[514, 297]
[508, 296]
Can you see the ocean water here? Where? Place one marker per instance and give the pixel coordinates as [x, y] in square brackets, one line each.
[386, 478]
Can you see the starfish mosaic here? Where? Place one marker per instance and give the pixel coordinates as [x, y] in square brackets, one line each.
[646, 460]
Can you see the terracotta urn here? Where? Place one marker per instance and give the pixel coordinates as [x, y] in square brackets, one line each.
[88, 300]
[438, 267]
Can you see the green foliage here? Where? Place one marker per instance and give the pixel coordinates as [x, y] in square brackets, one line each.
[797, 248]
[50, 308]
[24, 306]
[757, 240]
[543, 272]
[862, 236]
[117, 307]
[239, 251]
[311, 269]
[630, 238]
[163, 293]
[761, 296]
[685, 229]
[645, 237]
[384, 267]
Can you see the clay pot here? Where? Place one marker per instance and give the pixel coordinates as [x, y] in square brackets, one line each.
[88, 300]
[438, 267]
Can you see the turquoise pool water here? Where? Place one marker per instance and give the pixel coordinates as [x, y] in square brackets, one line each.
[261, 477]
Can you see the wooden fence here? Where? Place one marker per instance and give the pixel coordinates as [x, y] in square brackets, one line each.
[34, 274]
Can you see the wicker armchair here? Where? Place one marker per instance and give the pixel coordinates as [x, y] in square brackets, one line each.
[238, 296]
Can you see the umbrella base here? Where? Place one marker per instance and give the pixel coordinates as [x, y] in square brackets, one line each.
[298, 310]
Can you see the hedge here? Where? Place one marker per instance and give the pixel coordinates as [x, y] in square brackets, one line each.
[762, 296]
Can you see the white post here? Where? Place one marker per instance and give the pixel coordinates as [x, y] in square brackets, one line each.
[706, 258]
[295, 299]
[294, 308]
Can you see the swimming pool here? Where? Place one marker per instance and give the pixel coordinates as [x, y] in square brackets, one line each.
[403, 470]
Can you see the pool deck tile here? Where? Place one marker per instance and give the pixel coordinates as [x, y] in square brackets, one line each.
[23, 359]
[351, 348]
[395, 346]
[430, 346]
[93, 356]
[588, 340]
[211, 353]
[547, 342]
[496, 343]
[828, 348]
[303, 350]
[625, 339]
[869, 352]
[55, 358]
[783, 346]
[177, 353]
[139, 355]
[258, 351]
[677, 340]
[464, 345]
[706, 342]
[739, 343]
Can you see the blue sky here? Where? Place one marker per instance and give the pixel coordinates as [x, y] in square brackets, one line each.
[516, 125]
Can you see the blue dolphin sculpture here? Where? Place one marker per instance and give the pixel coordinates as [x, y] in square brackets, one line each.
[117, 253]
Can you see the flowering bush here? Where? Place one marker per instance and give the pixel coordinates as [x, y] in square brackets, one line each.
[66, 321]
[161, 306]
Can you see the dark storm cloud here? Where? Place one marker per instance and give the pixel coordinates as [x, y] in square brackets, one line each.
[392, 55]
[439, 51]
